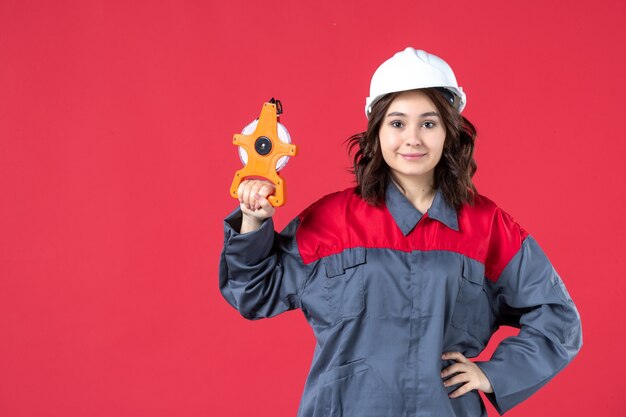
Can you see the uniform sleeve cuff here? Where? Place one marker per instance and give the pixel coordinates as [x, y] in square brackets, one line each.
[493, 396]
[250, 247]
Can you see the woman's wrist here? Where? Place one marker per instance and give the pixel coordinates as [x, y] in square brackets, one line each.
[249, 223]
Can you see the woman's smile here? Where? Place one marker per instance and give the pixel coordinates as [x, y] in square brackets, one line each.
[413, 156]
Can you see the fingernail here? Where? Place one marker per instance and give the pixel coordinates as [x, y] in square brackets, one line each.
[257, 196]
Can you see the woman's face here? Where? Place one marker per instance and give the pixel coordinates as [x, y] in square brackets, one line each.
[411, 137]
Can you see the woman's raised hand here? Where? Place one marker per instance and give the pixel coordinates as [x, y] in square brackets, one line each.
[253, 202]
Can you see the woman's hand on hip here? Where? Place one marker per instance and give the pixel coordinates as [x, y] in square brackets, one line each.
[464, 372]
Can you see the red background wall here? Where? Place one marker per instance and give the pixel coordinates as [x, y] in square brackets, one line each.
[116, 120]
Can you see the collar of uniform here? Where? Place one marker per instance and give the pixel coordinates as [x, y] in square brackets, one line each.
[407, 216]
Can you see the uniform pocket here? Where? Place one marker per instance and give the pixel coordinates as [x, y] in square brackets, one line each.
[354, 390]
[472, 309]
[344, 283]
[344, 371]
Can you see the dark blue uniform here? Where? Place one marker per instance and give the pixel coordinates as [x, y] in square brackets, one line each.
[387, 290]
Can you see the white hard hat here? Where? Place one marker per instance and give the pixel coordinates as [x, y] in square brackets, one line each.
[412, 69]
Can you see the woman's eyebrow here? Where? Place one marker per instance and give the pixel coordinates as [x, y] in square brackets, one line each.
[400, 114]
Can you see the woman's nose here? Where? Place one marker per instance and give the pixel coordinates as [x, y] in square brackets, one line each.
[413, 138]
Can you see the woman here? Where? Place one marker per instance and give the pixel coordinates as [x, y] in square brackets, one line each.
[408, 275]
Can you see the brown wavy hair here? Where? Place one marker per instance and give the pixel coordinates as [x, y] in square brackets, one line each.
[453, 173]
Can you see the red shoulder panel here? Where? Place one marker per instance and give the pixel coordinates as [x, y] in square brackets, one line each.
[506, 238]
[343, 220]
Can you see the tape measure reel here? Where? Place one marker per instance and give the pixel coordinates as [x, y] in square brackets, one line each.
[264, 148]
[283, 136]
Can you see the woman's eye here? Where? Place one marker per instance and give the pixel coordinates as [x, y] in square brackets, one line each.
[428, 125]
[396, 123]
